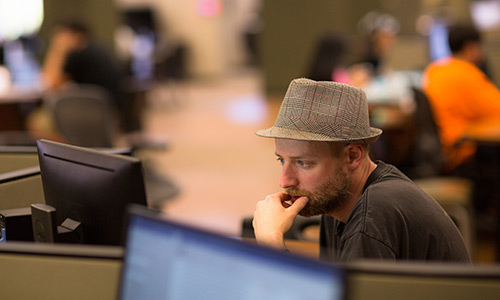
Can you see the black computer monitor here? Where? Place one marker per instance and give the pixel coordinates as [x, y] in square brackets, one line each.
[89, 191]
[165, 259]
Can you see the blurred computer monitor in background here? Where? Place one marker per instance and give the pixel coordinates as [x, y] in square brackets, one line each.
[20, 59]
[438, 40]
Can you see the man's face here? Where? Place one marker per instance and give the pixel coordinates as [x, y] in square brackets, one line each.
[310, 169]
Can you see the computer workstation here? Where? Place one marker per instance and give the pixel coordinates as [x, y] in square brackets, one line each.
[166, 257]
[93, 188]
[86, 194]
[88, 188]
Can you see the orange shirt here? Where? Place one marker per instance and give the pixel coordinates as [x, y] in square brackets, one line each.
[460, 96]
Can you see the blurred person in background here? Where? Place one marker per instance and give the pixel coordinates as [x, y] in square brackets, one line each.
[380, 30]
[74, 56]
[328, 61]
[461, 97]
[460, 94]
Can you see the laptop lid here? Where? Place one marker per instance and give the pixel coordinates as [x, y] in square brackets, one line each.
[169, 260]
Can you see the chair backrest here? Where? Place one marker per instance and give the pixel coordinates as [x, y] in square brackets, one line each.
[427, 157]
[85, 116]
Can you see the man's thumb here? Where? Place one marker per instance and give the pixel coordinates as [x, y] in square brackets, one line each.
[299, 204]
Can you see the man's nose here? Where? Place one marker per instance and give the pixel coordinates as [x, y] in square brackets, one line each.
[288, 177]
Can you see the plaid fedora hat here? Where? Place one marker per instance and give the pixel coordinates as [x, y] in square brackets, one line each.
[323, 111]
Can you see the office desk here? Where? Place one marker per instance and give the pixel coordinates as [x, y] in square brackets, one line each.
[484, 133]
[15, 107]
[18, 95]
[304, 248]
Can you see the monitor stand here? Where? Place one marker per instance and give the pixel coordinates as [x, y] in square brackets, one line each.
[43, 219]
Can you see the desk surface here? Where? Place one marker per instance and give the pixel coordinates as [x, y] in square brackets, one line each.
[18, 95]
[488, 132]
[305, 248]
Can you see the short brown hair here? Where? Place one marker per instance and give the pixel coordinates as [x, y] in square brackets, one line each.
[336, 148]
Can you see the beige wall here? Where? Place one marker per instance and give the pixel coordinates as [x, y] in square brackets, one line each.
[213, 42]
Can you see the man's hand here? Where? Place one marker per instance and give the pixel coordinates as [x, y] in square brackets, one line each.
[273, 217]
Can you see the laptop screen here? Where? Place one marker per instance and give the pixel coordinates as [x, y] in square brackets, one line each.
[167, 260]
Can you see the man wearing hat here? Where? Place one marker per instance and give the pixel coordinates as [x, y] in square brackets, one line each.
[369, 209]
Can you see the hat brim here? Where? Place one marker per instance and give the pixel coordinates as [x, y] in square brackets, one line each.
[293, 134]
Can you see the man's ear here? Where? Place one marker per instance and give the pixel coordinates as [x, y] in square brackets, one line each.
[355, 155]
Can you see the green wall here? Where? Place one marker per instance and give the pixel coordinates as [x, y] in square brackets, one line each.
[101, 15]
[292, 28]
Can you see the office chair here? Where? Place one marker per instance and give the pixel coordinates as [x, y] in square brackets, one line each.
[454, 194]
[85, 116]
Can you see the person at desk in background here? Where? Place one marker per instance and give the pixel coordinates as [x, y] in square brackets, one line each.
[369, 209]
[380, 31]
[460, 94]
[74, 56]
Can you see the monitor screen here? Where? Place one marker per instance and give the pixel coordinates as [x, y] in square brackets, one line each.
[90, 187]
[438, 41]
[21, 61]
[169, 260]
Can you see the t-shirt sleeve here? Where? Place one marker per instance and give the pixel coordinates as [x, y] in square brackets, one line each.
[361, 246]
[486, 97]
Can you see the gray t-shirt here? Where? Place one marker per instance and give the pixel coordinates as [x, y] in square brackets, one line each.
[394, 220]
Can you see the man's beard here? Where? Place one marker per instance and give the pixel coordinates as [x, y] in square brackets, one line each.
[328, 197]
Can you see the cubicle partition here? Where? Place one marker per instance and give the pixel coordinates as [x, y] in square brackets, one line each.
[20, 180]
[21, 188]
[418, 280]
[55, 271]
[14, 158]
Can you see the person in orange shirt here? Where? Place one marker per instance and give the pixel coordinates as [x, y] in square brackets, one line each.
[460, 94]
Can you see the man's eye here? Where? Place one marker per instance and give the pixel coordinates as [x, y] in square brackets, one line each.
[281, 160]
[301, 163]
